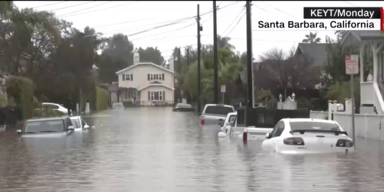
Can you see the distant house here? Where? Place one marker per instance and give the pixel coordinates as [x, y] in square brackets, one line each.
[317, 51]
[146, 83]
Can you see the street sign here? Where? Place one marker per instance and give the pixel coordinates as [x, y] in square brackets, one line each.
[351, 64]
[223, 89]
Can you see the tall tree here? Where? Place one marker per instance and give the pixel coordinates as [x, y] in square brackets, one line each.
[117, 54]
[151, 54]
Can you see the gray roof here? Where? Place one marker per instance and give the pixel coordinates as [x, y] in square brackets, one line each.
[317, 51]
[113, 87]
[354, 37]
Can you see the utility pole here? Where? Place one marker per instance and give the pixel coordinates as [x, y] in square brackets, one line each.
[249, 60]
[178, 82]
[215, 60]
[199, 28]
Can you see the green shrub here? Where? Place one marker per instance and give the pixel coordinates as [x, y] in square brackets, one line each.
[21, 90]
[101, 99]
[3, 100]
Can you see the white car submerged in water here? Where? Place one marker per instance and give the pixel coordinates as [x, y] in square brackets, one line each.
[299, 136]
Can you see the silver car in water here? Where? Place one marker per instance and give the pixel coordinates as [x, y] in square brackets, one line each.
[47, 127]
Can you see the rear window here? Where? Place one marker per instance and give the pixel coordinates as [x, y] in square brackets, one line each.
[76, 123]
[314, 126]
[219, 110]
[44, 126]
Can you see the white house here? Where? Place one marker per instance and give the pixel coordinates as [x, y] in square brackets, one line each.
[146, 83]
[371, 89]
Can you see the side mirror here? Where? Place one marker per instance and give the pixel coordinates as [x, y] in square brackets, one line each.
[86, 126]
[18, 131]
[71, 128]
[268, 135]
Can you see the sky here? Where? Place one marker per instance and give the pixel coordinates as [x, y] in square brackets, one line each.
[130, 17]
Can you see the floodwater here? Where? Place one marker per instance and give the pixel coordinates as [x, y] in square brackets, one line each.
[155, 149]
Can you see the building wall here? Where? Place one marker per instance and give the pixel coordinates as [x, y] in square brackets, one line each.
[168, 94]
[140, 77]
[113, 97]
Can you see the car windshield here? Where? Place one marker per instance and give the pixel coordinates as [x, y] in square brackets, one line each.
[44, 126]
[219, 110]
[311, 125]
[117, 105]
[76, 123]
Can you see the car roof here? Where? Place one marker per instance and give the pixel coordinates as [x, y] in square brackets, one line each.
[75, 117]
[221, 105]
[50, 103]
[308, 120]
[232, 113]
[46, 119]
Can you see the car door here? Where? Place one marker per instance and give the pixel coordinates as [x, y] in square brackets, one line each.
[275, 138]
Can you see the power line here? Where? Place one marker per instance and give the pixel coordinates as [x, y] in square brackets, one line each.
[84, 9]
[233, 21]
[124, 22]
[236, 23]
[49, 4]
[166, 31]
[351, 4]
[267, 40]
[281, 10]
[71, 6]
[102, 9]
[171, 21]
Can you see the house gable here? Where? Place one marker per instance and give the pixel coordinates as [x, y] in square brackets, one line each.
[317, 51]
[144, 64]
[156, 85]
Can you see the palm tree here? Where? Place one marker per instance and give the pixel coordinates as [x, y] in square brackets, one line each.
[311, 38]
[223, 42]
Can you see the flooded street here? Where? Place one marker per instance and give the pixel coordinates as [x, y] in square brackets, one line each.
[155, 149]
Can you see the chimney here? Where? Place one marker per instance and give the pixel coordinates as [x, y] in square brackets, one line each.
[136, 58]
[171, 63]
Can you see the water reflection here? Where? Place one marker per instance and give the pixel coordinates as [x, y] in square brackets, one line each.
[155, 149]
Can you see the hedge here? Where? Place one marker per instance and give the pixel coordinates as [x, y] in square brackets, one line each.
[101, 99]
[21, 90]
[98, 99]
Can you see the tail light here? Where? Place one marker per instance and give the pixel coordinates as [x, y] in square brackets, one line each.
[202, 121]
[293, 141]
[344, 143]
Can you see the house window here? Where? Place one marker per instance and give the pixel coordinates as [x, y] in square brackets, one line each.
[156, 95]
[162, 76]
[131, 77]
[127, 77]
[156, 77]
[151, 76]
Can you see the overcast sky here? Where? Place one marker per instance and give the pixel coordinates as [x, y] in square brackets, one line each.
[130, 17]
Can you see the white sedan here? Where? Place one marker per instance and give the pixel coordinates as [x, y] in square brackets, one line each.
[298, 136]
